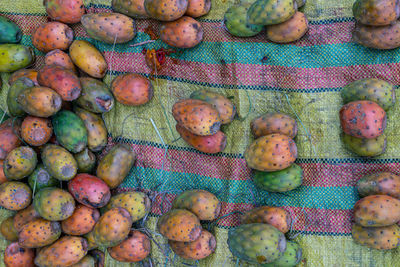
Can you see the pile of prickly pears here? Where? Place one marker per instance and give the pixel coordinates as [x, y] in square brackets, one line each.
[377, 24]
[363, 117]
[284, 23]
[260, 238]
[273, 152]
[182, 224]
[377, 213]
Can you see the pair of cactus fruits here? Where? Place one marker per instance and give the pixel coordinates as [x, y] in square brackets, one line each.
[284, 23]
[260, 238]
[377, 213]
[363, 117]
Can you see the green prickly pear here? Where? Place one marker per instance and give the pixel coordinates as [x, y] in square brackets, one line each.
[290, 258]
[280, 181]
[39, 233]
[257, 243]
[15, 195]
[41, 178]
[15, 89]
[9, 31]
[365, 147]
[8, 230]
[235, 21]
[382, 183]
[86, 161]
[270, 12]
[20, 163]
[382, 238]
[54, 204]
[131, 8]
[376, 12]
[95, 97]
[59, 162]
[15, 57]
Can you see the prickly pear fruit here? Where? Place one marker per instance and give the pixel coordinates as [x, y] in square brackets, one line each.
[165, 10]
[15, 57]
[27, 73]
[52, 35]
[59, 58]
[272, 152]
[277, 217]
[134, 9]
[36, 131]
[112, 228]
[271, 123]
[87, 261]
[179, 225]
[376, 211]
[270, 12]
[91, 242]
[39, 233]
[384, 37]
[376, 90]
[89, 190]
[376, 12]
[382, 238]
[203, 204]
[54, 204]
[17, 256]
[363, 119]
[15, 89]
[39, 101]
[20, 162]
[365, 147]
[59, 162]
[3, 177]
[382, 183]
[280, 181]
[24, 216]
[87, 58]
[9, 31]
[116, 165]
[66, 11]
[197, 116]
[132, 89]
[15, 195]
[291, 257]
[235, 21]
[86, 161]
[95, 97]
[66, 251]
[256, 243]
[199, 249]
[81, 222]
[198, 8]
[41, 178]
[109, 27]
[208, 144]
[290, 30]
[185, 32]
[133, 249]
[8, 230]
[9, 140]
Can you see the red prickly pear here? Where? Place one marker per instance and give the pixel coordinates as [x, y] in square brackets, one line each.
[166, 10]
[277, 217]
[199, 249]
[133, 249]
[81, 221]
[66, 11]
[290, 30]
[382, 238]
[17, 256]
[89, 190]
[376, 12]
[15, 195]
[185, 32]
[9, 140]
[59, 58]
[132, 89]
[39, 233]
[54, 204]
[274, 123]
[24, 216]
[52, 35]
[383, 183]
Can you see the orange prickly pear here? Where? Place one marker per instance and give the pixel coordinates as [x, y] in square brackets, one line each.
[9, 140]
[59, 162]
[383, 37]
[197, 116]
[376, 12]
[17, 256]
[89, 190]
[166, 10]
[81, 221]
[179, 225]
[96, 96]
[199, 249]
[382, 238]
[20, 162]
[277, 217]
[8, 230]
[24, 216]
[39, 233]
[134, 9]
[289, 31]
[271, 123]
[133, 249]
[59, 58]
[15, 195]
[52, 35]
[198, 8]
[54, 204]
[40, 101]
[36, 131]
[28, 73]
[185, 32]
[132, 89]
[383, 183]
[66, 11]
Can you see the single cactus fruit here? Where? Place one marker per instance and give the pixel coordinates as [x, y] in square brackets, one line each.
[290, 258]
[20, 163]
[198, 8]
[66, 11]
[165, 10]
[133, 249]
[382, 183]
[66, 251]
[39, 233]
[15, 195]
[382, 238]
[86, 161]
[15, 89]
[197, 116]
[91, 242]
[376, 211]
[36, 131]
[272, 152]
[40, 101]
[235, 21]
[52, 35]
[290, 30]
[376, 12]
[363, 119]
[41, 178]
[134, 9]
[59, 58]
[365, 147]
[132, 89]
[17, 256]
[9, 136]
[179, 225]
[279, 181]
[270, 12]
[277, 217]
[81, 222]
[59, 162]
[256, 243]
[136, 203]
[15, 57]
[185, 32]
[87, 58]
[24, 216]
[54, 204]
[203, 204]
[274, 123]
[96, 96]
[27, 73]
[9, 31]
[199, 249]
[8, 230]
[379, 91]
[383, 37]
